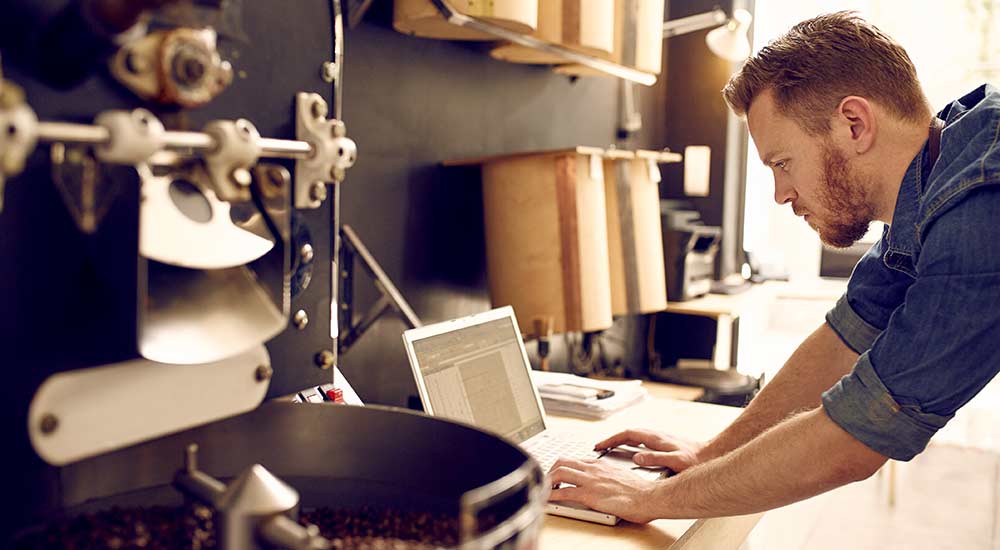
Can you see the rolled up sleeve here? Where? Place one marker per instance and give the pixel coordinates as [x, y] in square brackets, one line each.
[861, 405]
[857, 333]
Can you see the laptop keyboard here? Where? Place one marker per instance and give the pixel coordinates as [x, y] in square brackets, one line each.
[546, 449]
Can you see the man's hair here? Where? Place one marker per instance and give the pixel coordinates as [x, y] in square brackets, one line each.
[822, 60]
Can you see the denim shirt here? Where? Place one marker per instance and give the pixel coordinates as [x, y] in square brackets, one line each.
[922, 306]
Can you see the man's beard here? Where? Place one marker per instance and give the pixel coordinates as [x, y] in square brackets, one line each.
[849, 212]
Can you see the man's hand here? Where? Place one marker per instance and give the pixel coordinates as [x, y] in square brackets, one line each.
[603, 487]
[665, 451]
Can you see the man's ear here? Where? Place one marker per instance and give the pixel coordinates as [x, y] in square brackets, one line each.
[855, 125]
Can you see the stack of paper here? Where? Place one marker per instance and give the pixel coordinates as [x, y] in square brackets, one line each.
[570, 395]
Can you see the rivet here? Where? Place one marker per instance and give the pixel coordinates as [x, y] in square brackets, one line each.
[242, 176]
[329, 71]
[301, 319]
[263, 372]
[49, 423]
[306, 253]
[318, 191]
[325, 359]
[319, 109]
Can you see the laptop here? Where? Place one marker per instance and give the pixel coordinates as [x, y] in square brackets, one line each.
[475, 370]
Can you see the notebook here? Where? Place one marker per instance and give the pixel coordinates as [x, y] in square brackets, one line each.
[475, 370]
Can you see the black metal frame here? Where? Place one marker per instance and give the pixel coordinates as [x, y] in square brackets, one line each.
[350, 331]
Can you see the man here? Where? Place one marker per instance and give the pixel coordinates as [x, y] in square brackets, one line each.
[835, 110]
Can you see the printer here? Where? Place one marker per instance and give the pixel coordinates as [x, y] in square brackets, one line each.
[689, 249]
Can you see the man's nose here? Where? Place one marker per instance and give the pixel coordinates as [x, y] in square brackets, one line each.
[783, 193]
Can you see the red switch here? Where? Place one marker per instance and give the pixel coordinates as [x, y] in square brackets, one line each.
[336, 395]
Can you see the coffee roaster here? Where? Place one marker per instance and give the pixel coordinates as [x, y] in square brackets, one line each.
[168, 245]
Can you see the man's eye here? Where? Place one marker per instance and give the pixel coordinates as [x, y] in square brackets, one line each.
[781, 164]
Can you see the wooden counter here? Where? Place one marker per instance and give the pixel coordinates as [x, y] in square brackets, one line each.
[660, 411]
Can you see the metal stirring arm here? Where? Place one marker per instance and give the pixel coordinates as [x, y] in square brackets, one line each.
[229, 148]
[257, 508]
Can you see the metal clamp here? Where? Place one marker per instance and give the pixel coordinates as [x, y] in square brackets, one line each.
[135, 136]
[333, 152]
[237, 150]
[18, 132]
[180, 66]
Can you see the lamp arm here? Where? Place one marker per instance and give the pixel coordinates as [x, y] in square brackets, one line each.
[693, 23]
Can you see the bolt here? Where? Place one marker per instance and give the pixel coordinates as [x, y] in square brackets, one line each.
[325, 359]
[191, 455]
[319, 109]
[263, 373]
[318, 191]
[135, 63]
[306, 253]
[300, 319]
[188, 69]
[339, 129]
[243, 125]
[49, 423]
[142, 116]
[242, 176]
[276, 179]
[337, 173]
[329, 71]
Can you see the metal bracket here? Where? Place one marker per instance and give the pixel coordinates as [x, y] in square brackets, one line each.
[180, 66]
[135, 136]
[202, 233]
[332, 151]
[350, 330]
[236, 151]
[18, 132]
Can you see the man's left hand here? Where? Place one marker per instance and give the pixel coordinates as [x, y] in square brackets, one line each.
[603, 487]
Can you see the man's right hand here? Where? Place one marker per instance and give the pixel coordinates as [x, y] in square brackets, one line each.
[665, 451]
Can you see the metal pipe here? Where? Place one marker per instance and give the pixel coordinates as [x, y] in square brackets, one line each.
[462, 20]
[284, 532]
[199, 485]
[89, 134]
[285, 148]
[338, 58]
[198, 141]
[67, 132]
[693, 23]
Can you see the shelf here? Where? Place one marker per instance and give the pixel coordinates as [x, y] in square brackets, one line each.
[453, 17]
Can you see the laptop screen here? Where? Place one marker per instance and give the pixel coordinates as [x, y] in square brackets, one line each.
[477, 374]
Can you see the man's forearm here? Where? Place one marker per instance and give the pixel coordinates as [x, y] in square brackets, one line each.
[816, 365]
[802, 457]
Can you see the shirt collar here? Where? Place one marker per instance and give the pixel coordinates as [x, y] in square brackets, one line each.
[902, 234]
[903, 230]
